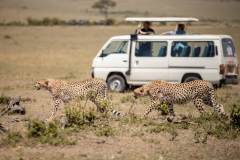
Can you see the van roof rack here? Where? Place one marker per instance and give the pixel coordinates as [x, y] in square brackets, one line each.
[161, 19]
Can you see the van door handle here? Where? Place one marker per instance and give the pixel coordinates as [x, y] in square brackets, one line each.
[125, 61]
[136, 61]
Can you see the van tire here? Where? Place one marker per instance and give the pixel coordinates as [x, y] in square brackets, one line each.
[116, 83]
[191, 78]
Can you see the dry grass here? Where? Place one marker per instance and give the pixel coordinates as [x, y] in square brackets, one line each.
[34, 53]
[213, 10]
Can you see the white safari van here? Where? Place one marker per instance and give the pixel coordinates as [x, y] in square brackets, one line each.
[137, 59]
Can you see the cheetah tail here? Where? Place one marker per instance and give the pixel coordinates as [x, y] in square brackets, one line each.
[113, 111]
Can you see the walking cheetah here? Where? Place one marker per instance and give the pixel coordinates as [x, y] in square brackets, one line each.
[200, 92]
[62, 91]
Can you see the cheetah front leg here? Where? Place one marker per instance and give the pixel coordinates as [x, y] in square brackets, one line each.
[151, 107]
[99, 102]
[57, 102]
[217, 107]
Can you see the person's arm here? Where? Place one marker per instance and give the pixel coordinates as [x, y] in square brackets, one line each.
[142, 32]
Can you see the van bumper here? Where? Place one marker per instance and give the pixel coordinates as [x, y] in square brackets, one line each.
[230, 79]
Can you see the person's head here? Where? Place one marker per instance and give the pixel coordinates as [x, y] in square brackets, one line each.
[181, 27]
[146, 24]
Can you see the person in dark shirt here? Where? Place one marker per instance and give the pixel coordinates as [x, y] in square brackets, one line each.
[180, 29]
[146, 29]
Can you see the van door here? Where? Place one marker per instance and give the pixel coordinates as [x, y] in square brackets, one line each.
[193, 57]
[115, 54]
[113, 57]
[149, 61]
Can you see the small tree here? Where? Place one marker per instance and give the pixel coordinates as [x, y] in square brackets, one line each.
[103, 7]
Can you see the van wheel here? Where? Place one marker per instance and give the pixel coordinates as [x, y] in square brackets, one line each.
[116, 83]
[191, 78]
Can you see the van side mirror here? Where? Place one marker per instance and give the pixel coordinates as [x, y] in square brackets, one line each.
[102, 54]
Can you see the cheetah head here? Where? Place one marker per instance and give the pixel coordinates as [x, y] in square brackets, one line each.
[41, 84]
[141, 91]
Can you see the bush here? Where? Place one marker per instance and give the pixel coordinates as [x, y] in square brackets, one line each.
[78, 118]
[216, 126]
[46, 133]
[12, 138]
[45, 21]
[104, 130]
[165, 127]
[4, 99]
[235, 116]
[163, 107]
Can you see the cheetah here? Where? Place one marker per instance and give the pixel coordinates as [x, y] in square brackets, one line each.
[63, 92]
[200, 92]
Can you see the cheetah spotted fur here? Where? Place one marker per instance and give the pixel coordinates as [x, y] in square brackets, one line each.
[199, 92]
[61, 91]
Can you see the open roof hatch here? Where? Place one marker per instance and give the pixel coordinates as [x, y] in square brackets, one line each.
[161, 19]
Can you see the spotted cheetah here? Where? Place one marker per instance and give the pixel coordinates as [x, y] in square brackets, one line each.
[62, 91]
[200, 92]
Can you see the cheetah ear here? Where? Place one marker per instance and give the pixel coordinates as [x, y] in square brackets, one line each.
[46, 82]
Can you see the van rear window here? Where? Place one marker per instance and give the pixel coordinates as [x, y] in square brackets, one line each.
[228, 48]
[193, 49]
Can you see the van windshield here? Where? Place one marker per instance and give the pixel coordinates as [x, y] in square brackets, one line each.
[228, 48]
[115, 47]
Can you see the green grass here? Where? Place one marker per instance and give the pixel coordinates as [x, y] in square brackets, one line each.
[78, 118]
[4, 99]
[216, 126]
[235, 116]
[105, 130]
[12, 139]
[47, 133]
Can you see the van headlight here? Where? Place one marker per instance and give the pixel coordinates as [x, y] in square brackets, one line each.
[92, 72]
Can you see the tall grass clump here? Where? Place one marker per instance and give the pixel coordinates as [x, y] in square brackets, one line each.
[12, 138]
[79, 119]
[218, 126]
[46, 133]
[235, 116]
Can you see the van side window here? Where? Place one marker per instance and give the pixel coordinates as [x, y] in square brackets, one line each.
[228, 48]
[151, 49]
[115, 47]
[193, 49]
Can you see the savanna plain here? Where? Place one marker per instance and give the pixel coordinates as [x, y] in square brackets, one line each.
[28, 54]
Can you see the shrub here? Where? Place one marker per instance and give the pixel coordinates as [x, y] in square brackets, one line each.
[216, 126]
[165, 127]
[104, 130]
[12, 138]
[235, 116]
[45, 21]
[4, 99]
[46, 133]
[77, 118]
[163, 107]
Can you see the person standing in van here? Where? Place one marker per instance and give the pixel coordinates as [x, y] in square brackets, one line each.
[180, 29]
[146, 29]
